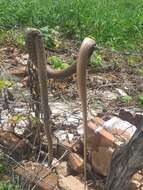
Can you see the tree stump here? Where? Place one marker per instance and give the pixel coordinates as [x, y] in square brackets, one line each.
[126, 161]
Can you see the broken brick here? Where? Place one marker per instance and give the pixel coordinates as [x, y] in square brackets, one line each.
[97, 136]
[75, 162]
[103, 138]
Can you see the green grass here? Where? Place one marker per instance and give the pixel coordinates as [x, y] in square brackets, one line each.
[140, 98]
[5, 182]
[118, 24]
[125, 99]
[8, 186]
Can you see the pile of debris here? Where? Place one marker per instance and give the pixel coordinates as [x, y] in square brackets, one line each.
[105, 135]
[66, 172]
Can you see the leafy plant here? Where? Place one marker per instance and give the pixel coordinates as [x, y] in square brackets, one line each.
[2, 168]
[140, 98]
[57, 63]
[8, 186]
[16, 119]
[126, 99]
[51, 37]
[96, 60]
[133, 60]
[18, 39]
[140, 71]
[5, 84]
[13, 37]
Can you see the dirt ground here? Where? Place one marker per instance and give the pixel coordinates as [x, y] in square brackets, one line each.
[114, 84]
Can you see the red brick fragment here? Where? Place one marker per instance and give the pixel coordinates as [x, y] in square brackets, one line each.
[98, 136]
[75, 162]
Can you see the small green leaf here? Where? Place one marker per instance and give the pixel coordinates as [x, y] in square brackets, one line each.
[141, 99]
[96, 60]
[57, 63]
[125, 99]
[5, 84]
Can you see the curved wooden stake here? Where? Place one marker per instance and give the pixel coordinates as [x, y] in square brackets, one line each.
[42, 74]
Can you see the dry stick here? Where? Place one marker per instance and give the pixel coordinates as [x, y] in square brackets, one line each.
[85, 52]
[42, 74]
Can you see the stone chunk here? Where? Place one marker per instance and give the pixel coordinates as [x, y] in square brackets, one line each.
[62, 169]
[70, 183]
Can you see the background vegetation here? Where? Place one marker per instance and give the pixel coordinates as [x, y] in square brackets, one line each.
[118, 24]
